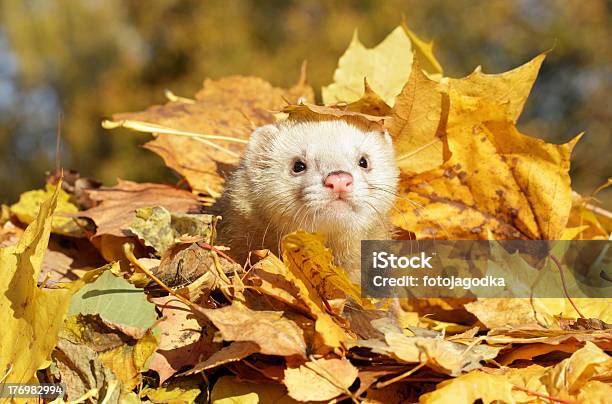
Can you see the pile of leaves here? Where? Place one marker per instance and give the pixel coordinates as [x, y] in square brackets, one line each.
[122, 294]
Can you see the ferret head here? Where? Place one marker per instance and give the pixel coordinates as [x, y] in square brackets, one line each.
[325, 177]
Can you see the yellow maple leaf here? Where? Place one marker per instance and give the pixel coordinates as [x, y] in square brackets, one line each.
[417, 124]
[329, 333]
[30, 316]
[497, 180]
[424, 53]
[315, 260]
[386, 67]
[508, 90]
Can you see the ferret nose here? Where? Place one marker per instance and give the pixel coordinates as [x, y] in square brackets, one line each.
[339, 182]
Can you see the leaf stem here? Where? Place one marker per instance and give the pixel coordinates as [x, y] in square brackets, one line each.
[560, 267]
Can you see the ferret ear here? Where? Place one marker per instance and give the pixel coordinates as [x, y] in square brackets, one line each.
[387, 137]
[262, 137]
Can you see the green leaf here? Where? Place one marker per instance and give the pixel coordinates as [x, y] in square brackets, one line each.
[159, 228]
[116, 301]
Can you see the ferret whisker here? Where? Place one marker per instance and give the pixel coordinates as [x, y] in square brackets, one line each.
[394, 193]
[263, 240]
[413, 203]
[290, 222]
[379, 216]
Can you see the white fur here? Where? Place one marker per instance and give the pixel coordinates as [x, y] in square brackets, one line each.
[265, 200]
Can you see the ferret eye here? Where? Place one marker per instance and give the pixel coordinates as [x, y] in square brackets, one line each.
[363, 162]
[299, 166]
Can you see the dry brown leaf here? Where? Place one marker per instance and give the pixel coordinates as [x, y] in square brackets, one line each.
[274, 334]
[117, 205]
[184, 341]
[319, 380]
[531, 335]
[67, 257]
[183, 263]
[222, 117]
[370, 103]
[234, 352]
[441, 355]
[312, 112]
[81, 370]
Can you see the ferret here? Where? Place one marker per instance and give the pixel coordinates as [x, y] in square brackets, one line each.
[328, 177]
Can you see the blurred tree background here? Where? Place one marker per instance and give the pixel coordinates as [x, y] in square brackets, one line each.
[86, 59]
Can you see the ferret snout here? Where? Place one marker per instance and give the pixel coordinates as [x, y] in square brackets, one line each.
[340, 182]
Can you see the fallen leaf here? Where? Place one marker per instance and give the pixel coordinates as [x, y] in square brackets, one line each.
[507, 91]
[312, 112]
[116, 301]
[516, 203]
[183, 340]
[209, 134]
[183, 263]
[309, 253]
[370, 103]
[274, 334]
[439, 354]
[81, 370]
[68, 257]
[229, 390]
[159, 228]
[470, 388]
[117, 206]
[31, 317]
[182, 391]
[418, 123]
[319, 380]
[386, 67]
[127, 361]
[234, 352]
[424, 53]
[26, 210]
[329, 332]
